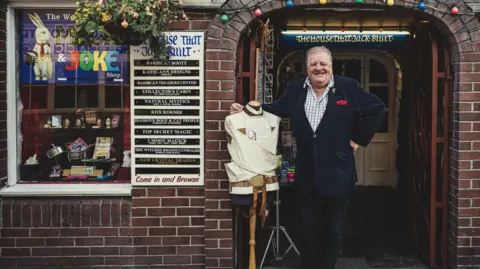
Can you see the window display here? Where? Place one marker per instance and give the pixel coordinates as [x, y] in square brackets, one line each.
[76, 103]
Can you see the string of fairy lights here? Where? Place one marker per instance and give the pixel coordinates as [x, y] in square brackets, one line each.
[227, 14]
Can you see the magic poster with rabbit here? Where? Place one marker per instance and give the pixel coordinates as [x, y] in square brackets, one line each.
[48, 56]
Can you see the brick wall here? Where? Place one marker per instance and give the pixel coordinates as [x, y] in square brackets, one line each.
[220, 94]
[156, 227]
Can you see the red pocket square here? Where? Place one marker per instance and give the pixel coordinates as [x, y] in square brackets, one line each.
[342, 102]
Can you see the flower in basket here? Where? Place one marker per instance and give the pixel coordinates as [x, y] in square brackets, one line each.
[126, 22]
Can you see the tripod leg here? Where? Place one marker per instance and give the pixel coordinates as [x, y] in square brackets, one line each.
[288, 250]
[266, 249]
[290, 240]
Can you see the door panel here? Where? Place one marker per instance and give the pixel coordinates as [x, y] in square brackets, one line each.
[376, 163]
[380, 158]
[352, 67]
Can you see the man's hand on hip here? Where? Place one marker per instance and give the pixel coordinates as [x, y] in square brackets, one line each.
[236, 108]
[353, 145]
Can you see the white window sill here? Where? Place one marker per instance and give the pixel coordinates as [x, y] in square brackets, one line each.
[30, 190]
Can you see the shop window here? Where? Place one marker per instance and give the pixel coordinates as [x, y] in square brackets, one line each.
[73, 115]
[381, 92]
[87, 96]
[378, 73]
[351, 68]
[64, 96]
[113, 96]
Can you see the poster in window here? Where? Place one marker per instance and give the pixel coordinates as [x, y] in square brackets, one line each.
[167, 111]
[48, 55]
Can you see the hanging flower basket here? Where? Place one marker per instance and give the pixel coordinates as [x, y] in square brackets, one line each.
[127, 22]
[126, 36]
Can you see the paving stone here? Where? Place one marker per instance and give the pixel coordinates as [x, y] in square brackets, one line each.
[353, 263]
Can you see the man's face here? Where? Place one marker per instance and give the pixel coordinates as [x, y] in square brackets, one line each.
[319, 68]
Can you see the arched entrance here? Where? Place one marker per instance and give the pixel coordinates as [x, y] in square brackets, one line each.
[376, 73]
[226, 36]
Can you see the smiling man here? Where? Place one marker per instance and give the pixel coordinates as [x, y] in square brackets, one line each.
[330, 117]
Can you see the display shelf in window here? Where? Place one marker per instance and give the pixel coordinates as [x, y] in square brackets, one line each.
[75, 161]
[87, 120]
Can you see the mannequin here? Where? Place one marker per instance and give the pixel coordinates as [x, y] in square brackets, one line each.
[252, 143]
[66, 123]
[255, 105]
[108, 123]
[99, 123]
[251, 155]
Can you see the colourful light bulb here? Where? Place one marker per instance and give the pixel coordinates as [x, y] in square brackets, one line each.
[224, 18]
[421, 6]
[454, 10]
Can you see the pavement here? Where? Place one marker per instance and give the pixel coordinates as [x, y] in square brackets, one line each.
[356, 263]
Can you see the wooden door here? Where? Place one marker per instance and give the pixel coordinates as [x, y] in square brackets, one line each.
[353, 67]
[375, 163]
[379, 157]
[427, 118]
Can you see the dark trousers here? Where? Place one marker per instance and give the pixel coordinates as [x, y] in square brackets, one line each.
[321, 229]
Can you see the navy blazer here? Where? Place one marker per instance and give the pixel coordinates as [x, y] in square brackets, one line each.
[324, 160]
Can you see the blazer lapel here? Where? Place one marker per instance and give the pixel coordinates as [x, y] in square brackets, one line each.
[303, 115]
[328, 111]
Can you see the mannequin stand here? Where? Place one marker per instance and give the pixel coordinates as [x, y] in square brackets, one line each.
[275, 241]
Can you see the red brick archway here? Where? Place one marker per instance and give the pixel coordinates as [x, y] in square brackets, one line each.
[463, 35]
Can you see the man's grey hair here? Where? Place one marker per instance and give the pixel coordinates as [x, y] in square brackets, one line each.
[319, 49]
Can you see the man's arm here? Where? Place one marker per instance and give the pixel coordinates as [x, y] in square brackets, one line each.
[370, 110]
[283, 106]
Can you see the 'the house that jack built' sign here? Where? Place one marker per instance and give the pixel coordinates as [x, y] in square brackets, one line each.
[167, 113]
[301, 40]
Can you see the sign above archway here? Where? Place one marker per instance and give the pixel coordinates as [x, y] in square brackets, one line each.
[293, 39]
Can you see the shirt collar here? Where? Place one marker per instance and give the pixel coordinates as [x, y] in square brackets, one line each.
[307, 83]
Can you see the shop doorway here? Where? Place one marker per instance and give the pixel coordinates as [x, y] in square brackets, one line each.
[376, 73]
[398, 216]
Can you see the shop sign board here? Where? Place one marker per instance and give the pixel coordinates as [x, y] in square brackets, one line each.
[299, 40]
[167, 112]
[48, 54]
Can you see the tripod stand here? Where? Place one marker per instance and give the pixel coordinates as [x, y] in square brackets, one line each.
[275, 241]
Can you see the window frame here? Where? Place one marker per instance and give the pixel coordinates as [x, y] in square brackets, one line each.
[13, 165]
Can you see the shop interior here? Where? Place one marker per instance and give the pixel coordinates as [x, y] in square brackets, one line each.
[398, 216]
